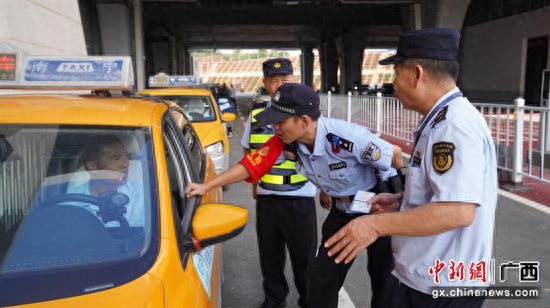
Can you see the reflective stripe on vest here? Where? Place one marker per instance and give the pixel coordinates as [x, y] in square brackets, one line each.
[281, 177]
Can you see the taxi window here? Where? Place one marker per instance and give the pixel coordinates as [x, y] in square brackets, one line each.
[196, 108]
[180, 170]
[77, 206]
[191, 141]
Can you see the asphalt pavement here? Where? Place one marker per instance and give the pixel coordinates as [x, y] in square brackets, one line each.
[521, 234]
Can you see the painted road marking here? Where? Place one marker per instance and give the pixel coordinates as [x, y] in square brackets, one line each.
[344, 301]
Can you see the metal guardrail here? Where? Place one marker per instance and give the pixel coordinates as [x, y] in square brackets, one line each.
[519, 132]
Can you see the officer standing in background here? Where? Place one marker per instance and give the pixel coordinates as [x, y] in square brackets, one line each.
[447, 213]
[285, 205]
[340, 158]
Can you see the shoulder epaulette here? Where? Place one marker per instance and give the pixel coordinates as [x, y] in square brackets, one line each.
[441, 115]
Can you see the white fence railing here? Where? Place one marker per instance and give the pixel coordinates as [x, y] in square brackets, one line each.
[519, 132]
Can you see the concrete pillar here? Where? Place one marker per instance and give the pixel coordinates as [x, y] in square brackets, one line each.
[417, 16]
[444, 13]
[174, 55]
[115, 27]
[411, 16]
[139, 47]
[181, 58]
[307, 66]
[329, 64]
[43, 27]
[187, 62]
[160, 56]
[350, 47]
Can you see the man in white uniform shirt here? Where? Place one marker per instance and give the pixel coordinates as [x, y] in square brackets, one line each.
[442, 234]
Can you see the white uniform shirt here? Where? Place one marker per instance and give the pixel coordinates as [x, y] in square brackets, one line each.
[454, 161]
[135, 209]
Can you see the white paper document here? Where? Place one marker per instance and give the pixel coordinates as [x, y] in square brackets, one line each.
[361, 203]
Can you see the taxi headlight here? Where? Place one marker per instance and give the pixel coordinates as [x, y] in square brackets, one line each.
[215, 149]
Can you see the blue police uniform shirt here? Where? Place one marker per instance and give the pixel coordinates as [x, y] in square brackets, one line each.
[308, 190]
[454, 161]
[342, 172]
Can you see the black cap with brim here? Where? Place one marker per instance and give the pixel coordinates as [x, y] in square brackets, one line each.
[431, 44]
[271, 116]
[391, 60]
[290, 99]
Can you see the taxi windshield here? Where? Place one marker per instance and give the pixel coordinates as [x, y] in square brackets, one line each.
[76, 202]
[196, 108]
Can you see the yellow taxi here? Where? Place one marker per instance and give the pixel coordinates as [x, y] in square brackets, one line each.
[92, 205]
[201, 108]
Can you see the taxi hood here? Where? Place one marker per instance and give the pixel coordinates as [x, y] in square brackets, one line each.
[209, 132]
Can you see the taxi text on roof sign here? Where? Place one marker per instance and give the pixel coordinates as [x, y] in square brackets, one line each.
[42, 72]
[162, 80]
[83, 72]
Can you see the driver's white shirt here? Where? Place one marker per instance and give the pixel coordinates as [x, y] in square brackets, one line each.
[135, 209]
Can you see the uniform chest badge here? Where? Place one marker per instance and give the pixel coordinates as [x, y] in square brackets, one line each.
[443, 156]
[338, 143]
[417, 159]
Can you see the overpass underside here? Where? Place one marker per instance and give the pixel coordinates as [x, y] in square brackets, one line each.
[339, 29]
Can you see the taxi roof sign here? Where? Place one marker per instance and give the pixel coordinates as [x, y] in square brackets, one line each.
[162, 80]
[65, 73]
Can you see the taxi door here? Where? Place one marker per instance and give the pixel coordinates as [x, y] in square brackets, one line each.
[193, 279]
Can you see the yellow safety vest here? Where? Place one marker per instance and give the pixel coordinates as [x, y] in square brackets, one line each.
[282, 177]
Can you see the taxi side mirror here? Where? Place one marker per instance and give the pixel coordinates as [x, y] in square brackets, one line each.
[215, 223]
[228, 117]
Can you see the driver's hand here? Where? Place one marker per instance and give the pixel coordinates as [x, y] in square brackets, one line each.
[194, 189]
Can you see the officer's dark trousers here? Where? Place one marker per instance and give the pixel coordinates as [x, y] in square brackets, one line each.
[411, 298]
[328, 277]
[292, 222]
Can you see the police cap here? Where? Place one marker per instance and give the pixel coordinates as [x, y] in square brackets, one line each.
[432, 44]
[277, 66]
[290, 99]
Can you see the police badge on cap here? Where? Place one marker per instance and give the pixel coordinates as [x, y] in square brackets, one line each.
[277, 66]
[290, 99]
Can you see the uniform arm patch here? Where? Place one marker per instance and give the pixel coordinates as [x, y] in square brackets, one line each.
[443, 156]
[371, 153]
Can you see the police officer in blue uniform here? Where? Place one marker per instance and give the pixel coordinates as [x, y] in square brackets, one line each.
[447, 213]
[285, 205]
[340, 158]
